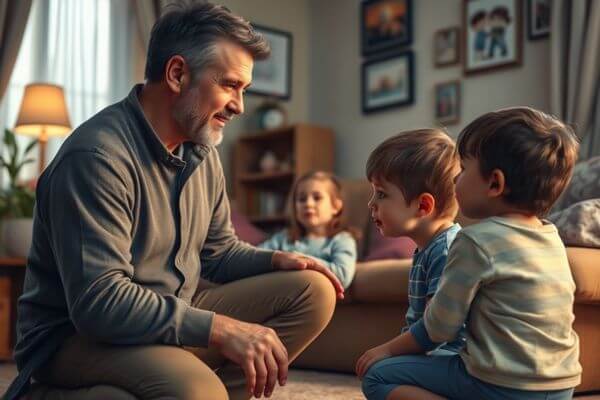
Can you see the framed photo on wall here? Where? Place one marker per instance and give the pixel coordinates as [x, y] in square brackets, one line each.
[447, 102]
[492, 34]
[385, 25]
[388, 82]
[273, 77]
[538, 19]
[446, 47]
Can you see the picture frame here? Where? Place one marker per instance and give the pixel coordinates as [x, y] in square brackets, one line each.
[447, 102]
[492, 37]
[388, 82]
[446, 47]
[538, 19]
[273, 77]
[385, 25]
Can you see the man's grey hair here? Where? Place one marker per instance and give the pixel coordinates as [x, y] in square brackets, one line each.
[193, 31]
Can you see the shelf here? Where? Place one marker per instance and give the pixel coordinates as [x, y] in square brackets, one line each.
[262, 177]
[268, 135]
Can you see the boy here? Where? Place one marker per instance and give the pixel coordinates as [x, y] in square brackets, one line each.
[412, 175]
[507, 275]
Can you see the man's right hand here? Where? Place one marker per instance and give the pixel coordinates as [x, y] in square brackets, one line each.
[255, 348]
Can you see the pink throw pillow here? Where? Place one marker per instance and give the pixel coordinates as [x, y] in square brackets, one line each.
[245, 230]
[383, 248]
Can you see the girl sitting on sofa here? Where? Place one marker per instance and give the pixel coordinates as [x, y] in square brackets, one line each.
[316, 226]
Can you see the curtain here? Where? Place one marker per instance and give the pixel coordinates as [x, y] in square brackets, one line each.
[575, 69]
[84, 46]
[13, 19]
[146, 13]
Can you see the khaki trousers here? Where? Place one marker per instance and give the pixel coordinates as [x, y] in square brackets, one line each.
[297, 305]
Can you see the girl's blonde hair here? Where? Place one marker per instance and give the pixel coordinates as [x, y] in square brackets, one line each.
[337, 223]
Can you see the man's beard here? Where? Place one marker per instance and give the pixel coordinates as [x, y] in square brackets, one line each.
[195, 127]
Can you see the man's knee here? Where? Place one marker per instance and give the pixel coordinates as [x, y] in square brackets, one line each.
[319, 297]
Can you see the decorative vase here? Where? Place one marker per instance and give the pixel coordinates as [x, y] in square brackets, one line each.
[16, 236]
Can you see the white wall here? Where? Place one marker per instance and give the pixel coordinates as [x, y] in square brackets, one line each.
[335, 74]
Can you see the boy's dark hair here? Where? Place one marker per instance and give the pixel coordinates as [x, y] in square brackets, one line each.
[477, 17]
[419, 161]
[192, 31]
[500, 12]
[536, 153]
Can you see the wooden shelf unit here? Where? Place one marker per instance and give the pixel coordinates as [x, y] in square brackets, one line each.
[303, 147]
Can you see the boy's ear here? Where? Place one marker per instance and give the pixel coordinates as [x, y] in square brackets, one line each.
[496, 183]
[425, 204]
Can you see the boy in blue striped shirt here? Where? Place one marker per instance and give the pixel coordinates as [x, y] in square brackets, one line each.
[412, 175]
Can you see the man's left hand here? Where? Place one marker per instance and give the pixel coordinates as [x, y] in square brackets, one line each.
[285, 261]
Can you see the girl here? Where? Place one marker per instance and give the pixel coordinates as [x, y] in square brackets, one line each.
[316, 226]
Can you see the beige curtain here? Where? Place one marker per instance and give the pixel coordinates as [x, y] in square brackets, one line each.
[575, 68]
[13, 19]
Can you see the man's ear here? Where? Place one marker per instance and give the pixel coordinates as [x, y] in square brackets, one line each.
[496, 183]
[176, 73]
[425, 204]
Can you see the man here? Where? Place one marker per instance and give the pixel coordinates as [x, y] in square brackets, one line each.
[132, 213]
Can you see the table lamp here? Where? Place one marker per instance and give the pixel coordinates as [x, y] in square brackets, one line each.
[43, 114]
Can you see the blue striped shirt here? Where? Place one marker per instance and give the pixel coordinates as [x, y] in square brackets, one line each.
[424, 276]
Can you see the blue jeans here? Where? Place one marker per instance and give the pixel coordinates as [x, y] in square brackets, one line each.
[444, 375]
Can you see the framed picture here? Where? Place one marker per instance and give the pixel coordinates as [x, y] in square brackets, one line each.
[492, 34]
[273, 77]
[388, 82]
[446, 47]
[385, 24]
[538, 19]
[447, 102]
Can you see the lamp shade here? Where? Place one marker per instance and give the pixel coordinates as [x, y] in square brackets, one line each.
[43, 112]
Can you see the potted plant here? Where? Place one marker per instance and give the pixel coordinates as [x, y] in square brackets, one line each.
[17, 199]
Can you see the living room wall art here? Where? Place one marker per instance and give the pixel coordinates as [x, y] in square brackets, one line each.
[388, 82]
[446, 47]
[538, 19]
[492, 34]
[385, 25]
[447, 102]
[273, 77]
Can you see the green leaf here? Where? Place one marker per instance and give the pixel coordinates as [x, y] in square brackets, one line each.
[30, 147]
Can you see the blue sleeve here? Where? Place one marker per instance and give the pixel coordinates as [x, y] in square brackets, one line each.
[435, 266]
[343, 258]
[275, 242]
[421, 336]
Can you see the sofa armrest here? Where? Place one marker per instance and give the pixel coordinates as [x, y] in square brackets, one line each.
[381, 281]
[585, 267]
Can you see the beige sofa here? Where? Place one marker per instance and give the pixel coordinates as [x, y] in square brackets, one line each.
[374, 308]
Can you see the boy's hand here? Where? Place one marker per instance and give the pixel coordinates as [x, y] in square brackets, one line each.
[285, 261]
[371, 357]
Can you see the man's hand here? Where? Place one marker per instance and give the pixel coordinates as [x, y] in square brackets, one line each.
[255, 348]
[285, 261]
[370, 357]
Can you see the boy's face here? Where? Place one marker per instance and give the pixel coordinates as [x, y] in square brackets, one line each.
[392, 216]
[472, 190]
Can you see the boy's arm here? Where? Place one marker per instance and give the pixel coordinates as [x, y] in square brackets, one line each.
[466, 269]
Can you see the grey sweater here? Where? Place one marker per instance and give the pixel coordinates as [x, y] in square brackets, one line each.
[123, 230]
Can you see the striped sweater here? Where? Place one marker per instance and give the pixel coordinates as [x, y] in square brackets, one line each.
[513, 286]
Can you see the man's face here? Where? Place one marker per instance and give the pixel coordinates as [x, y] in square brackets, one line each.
[392, 216]
[208, 103]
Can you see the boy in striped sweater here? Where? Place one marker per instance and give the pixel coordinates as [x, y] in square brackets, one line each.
[507, 276]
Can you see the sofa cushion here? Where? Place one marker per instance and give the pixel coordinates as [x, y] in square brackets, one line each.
[579, 224]
[380, 247]
[245, 230]
[584, 185]
[381, 281]
[585, 267]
